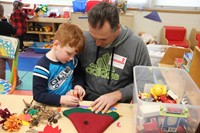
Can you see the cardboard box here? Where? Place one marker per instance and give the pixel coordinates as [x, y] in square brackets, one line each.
[171, 54]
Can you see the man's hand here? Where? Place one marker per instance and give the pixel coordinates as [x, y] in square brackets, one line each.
[104, 102]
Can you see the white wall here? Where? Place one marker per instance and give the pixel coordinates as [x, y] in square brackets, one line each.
[189, 21]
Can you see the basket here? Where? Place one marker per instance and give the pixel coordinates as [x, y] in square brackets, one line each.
[156, 52]
[38, 47]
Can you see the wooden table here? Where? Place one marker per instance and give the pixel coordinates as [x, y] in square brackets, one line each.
[126, 122]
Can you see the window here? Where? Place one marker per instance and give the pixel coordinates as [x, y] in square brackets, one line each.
[137, 3]
[53, 2]
[141, 4]
[177, 4]
[165, 4]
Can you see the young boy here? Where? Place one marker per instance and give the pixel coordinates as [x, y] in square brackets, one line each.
[53, 74]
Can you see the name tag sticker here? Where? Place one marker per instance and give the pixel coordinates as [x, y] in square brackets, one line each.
[118, 61]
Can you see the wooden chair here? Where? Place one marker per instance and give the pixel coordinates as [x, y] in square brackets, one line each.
[195, 38]
[9, 49]
[194, 68]
[174, 36]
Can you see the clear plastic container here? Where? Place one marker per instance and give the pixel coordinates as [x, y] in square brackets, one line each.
[182, 116]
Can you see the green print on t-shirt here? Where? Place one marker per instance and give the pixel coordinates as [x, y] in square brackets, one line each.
[102, 69]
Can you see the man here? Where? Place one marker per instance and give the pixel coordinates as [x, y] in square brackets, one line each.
[111, 52]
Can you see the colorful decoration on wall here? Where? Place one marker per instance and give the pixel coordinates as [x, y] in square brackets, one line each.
[153, 16]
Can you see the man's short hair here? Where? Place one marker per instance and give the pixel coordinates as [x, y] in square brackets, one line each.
[103, 12]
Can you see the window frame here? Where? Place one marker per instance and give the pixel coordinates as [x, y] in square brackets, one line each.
[143, 6]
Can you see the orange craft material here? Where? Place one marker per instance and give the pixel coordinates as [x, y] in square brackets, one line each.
[14, 81]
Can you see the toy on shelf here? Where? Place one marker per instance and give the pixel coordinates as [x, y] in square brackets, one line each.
[54, 13]
[121, 5]
[29, 9]
[41, 10]
[47, 28]
[179, 62]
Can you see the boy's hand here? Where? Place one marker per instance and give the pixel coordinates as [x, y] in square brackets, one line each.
[69, 100]
[79, 92]
[73, 93]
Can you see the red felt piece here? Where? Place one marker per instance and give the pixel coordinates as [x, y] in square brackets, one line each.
[50, 129]
[90, 122]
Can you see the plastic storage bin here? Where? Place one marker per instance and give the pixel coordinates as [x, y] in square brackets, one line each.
[38, 47]
[182, 116]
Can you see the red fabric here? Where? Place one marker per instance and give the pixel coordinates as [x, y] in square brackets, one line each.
[90, 122]
[198, 39]
[175, 33]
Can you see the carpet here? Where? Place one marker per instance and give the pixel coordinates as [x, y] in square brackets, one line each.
[25, 68]
[26, 78]
[27, 82]
[27, 60]
[26, 63]
[30, 53]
